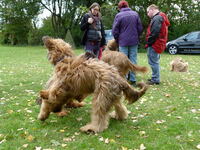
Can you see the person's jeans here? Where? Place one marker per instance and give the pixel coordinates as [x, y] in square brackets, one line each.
[131, 53]
[154, 62]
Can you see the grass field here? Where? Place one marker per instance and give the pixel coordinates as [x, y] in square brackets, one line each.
[167, 117]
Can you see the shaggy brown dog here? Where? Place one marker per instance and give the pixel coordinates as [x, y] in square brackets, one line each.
[112, 45]
[75, 76]
[179, 65]
[57, 51]
[119, 60]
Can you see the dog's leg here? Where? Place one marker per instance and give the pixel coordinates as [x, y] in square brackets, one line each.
[44, 112]
[74, 104]
[100, 116]
[120, 112]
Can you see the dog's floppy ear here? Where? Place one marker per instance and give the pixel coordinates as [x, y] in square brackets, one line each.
[44, 94]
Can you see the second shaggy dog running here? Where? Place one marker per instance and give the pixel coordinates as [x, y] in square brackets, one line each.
[119, 60]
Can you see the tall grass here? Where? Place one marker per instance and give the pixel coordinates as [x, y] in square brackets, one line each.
[167, 117]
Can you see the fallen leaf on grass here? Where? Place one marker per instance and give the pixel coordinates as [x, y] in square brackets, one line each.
[38, 148]
[157, 129]
[25, 145]
[101, 139]
[124, 148]
[141, 133]
[29, 111]
[198, 146]
[79, 119]
[167, 95]
[160, 121]
[63, 145]
[10, 111]
[142, 147]
[190, 133]
[118, 136]
[30, 138]
[112, 141]
[62, 131]
[77, 133]
[55, 143]
[2, 141]
[67, 139]
[106, 141]
[178, 117]
[52, 121]
[169, 115]
[193, 110]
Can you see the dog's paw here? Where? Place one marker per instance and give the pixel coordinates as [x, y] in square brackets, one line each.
[62, 113]
[89, 128]
[113, 115]
[122, 116]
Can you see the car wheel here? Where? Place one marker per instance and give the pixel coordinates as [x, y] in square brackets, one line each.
[173, 49]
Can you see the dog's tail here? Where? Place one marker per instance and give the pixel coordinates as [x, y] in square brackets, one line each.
[132, 94]
[137, 68]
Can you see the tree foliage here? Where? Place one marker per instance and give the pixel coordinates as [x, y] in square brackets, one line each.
[16, 19]
[66, 14]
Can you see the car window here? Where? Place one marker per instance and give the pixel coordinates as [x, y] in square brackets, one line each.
[182, 37]
[198, 36]
[192, 36]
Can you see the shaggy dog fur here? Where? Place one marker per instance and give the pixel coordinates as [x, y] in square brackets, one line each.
[119, 60]
[57, 51]
[75, 76]
[179, 65]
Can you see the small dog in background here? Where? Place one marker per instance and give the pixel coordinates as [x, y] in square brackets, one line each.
[179, 65]
[112, 45]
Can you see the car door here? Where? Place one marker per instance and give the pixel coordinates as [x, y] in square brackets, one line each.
[109, 35]
[189, 42]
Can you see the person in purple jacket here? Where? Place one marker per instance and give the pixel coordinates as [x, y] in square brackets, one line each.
[126, 29]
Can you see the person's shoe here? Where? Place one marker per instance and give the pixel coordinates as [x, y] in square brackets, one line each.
[152, 82]
[148, 79]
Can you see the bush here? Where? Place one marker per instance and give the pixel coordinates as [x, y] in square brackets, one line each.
[34, 37]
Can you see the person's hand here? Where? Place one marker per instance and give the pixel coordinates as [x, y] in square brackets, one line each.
[146, 46]
[90, 20]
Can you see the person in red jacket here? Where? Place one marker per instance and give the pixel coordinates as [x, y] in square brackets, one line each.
[156, 38]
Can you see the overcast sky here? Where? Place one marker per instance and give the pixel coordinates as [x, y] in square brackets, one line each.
[45, 14]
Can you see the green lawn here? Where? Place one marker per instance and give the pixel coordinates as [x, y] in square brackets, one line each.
[167, 117]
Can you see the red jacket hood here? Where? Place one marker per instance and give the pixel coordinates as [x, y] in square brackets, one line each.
[165, 18]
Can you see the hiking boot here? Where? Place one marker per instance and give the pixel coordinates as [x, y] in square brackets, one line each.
[152, 82]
